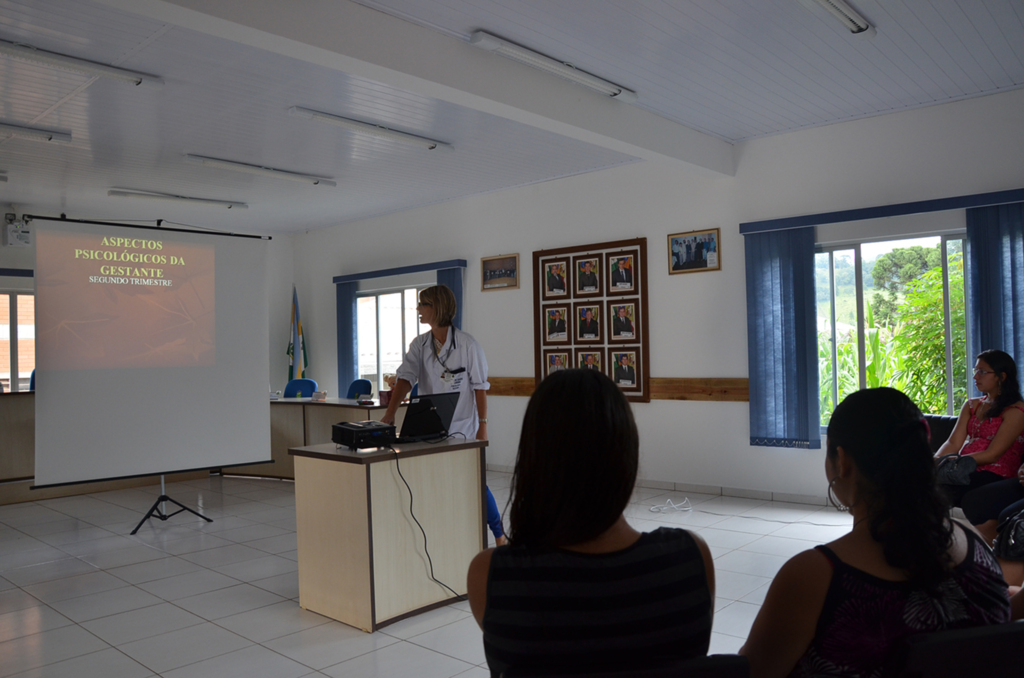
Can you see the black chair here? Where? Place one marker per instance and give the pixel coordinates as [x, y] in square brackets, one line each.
[941, 427]
[988, 651]
[712, 666]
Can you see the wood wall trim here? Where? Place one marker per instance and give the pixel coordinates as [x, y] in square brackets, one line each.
[716, 389]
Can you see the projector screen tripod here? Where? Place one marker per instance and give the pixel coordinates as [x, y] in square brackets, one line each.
[158, 508]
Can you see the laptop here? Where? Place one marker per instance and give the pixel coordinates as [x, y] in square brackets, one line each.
[428, 417]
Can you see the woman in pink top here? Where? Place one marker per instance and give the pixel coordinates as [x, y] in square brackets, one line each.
[989, 430]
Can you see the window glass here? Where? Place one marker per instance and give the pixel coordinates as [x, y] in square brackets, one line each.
[392, 348]
[5, 341]
[26, 310]
[847, 366]
[366, 316]
[826, 337]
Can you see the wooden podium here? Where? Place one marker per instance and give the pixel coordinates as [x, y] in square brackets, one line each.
[361, 554]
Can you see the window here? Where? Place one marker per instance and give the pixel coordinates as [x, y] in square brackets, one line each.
[893, 313]
[17, 340]
[388, 322]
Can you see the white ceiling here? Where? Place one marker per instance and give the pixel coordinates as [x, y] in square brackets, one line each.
[708, 73]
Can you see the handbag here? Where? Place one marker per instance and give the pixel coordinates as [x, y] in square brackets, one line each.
[1009, 544]
[955, 469]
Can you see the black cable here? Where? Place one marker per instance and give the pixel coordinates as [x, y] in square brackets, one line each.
[422, 531]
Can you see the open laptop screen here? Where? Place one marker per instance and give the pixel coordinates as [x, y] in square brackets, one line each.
[429, 416]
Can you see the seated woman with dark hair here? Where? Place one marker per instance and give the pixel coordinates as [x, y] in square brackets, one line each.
[904, 568]
[577, 588]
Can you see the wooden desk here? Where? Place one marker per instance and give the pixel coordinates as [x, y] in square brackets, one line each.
[361, 555]
[295, 422]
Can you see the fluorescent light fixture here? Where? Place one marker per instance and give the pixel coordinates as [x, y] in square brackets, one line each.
[370, 129]
[120, 193]
[260, 170]
[34, 133]
[847, 15]
[75, 65]
[493, 43]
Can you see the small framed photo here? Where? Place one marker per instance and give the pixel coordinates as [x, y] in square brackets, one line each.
[590, 359]
[556, 359]
[587, 275]
[587, 321]
[499, 273]
[694, 252]
[625, 321]
[555, 284]
[557, 324]
[624, 367]
[622, 272]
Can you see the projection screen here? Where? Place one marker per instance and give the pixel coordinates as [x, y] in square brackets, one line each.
[151, 351]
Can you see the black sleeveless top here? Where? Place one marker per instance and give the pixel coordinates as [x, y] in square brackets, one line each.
[565, 610]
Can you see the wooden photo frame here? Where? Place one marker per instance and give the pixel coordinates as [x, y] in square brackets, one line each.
[623, 321]
[499, 273]
[586, 276]
[557, 283]
[557, 359]
[557, 330]
[694, 251]
[626, 375]
[588, 324]
[590, 358]
[621, 267]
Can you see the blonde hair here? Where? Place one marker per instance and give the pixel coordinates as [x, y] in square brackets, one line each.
[442, 300]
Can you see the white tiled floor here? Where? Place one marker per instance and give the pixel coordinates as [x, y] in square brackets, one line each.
[185, 598]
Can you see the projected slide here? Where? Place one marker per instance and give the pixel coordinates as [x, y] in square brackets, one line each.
[114, 301]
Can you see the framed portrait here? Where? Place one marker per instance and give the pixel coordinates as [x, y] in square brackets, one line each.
[622, 267]
[624, 367]
[694, 252]
[587, 275]
[557, 324]
[624, 321]
[499, 273]
[586, 318]
[590, 359]
[556, 279]
[557, 359]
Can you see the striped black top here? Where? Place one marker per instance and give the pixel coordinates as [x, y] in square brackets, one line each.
[565, 610]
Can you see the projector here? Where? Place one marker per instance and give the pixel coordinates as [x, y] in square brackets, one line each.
[359, 434]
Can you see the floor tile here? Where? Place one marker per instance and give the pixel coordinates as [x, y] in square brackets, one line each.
[190, 584]
[48, 647]
[748, 525]
[56, 569]
[328, 644]
[29, 620]
[13, 558]
[151, 570]
[775, 545]
[84, 608]
[400, 659]
[72, 587]
[121, 557]
[816, 533]
[108, 663]
[736, 619]
[462, 639]
[735, 585]
[251, 533]
[77, 536]
[421, 623]
[191, 544]
[225, 555]
[258, 568]
[126, 627]
[723, 644]
[16, 599]
[272, 621]
[285, 585]
[725, 538]
[245, 663]
[183, 647]
[276, 545]
[759, 564]
[226, 602]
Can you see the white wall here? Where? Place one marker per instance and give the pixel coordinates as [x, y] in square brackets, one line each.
[698, 321]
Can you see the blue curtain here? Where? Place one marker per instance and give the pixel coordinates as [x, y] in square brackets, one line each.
[782, 342]
[452, 278]
[995, 279]
[348, 336]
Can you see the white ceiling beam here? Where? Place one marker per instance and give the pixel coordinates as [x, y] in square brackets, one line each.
[348, 37]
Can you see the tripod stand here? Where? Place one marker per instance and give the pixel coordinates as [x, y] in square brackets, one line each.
[157, 510]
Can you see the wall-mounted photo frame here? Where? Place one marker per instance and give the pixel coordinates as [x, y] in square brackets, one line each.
[556, 359]
[621, 267]
[590, 359]
[499, 273]
[624, 367]
[624, 321]
[587, 275]
[694, 251]
[587, 322]
[557, 323]
[556, 279]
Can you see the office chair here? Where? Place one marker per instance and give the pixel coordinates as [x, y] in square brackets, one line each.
[415, 390]
[712, 666]
[31, 382]
[359, 387]
[990, 651]
[297, 388]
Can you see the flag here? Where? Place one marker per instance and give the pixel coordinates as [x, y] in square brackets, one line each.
[296, 344]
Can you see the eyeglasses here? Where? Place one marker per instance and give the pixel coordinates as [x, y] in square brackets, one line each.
[423, 303]
[978, 371]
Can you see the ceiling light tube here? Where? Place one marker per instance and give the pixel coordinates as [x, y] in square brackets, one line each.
[847, 16]
[370, 129]
[493, 43]
[35, 133]
[75, 65]
[119, 193]
[259, 170]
